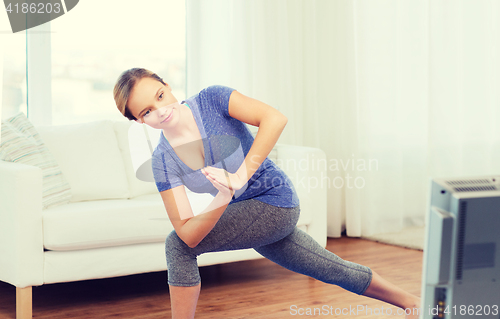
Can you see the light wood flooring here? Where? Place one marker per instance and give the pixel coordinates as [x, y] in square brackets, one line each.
[249, 289]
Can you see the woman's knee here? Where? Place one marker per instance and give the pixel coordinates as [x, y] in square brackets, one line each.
[174, 245]
[182, 266]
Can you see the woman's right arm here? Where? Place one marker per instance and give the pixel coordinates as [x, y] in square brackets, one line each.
[193, 230]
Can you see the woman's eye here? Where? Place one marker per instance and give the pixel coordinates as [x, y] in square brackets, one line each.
[161, 96]
[146, 113]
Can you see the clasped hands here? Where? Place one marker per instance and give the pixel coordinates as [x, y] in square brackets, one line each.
[225, 182]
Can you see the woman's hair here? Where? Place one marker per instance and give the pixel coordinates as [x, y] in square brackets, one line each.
[124, 86]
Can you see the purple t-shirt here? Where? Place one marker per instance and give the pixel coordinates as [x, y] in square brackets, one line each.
[226, 142]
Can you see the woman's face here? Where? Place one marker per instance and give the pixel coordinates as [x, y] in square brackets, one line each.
[152, 103]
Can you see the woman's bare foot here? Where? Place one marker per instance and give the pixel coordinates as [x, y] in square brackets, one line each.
[381, 289]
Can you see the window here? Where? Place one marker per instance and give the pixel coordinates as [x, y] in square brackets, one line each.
[91, 45]
[13, 71]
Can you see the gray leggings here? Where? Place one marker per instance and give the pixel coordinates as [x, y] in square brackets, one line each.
[272, 232]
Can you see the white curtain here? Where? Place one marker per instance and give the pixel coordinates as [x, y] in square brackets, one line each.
[395, 92]
[464, 88]
[260, 49]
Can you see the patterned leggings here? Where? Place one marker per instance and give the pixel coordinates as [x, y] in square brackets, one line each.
[272, 232]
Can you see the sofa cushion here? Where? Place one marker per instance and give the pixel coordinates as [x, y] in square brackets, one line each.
[90, 158]
[136, 186]
[21, 143]
[108, 223]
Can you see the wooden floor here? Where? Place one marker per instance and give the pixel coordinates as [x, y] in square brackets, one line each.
[249, 289]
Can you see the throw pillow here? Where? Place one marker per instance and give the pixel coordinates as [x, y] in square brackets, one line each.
[90, 159]
[21, 143]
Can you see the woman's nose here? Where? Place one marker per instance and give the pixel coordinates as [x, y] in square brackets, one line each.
[161, 111]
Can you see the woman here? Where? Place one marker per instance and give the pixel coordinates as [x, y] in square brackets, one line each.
[263, 216]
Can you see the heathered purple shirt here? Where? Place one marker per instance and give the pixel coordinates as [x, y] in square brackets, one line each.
[226, 142]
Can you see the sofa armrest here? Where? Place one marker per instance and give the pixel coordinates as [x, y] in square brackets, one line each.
[21, 239]
[301, 165]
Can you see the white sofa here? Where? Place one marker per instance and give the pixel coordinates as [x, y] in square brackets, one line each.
[114, 224]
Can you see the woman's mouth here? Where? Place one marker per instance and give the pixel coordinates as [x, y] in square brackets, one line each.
[168, 117]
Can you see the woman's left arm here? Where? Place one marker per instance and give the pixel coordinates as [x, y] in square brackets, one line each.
[271, 123]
